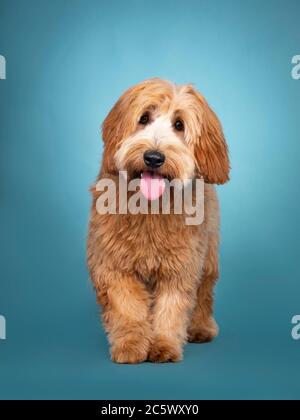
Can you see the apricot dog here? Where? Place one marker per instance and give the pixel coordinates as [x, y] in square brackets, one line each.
[154, 275]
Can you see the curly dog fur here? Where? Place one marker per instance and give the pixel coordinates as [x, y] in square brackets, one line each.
[154, 275]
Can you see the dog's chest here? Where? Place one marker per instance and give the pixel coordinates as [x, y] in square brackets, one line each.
[152, 244]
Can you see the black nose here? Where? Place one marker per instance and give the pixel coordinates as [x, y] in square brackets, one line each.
[154, 159]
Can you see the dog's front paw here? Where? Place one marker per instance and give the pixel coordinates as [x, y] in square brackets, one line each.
[130, 352]
[204, 333]
[163, 351]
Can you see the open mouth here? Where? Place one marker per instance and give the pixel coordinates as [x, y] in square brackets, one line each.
[152, 185]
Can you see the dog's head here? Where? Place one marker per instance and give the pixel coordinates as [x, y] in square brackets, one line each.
[159, 130]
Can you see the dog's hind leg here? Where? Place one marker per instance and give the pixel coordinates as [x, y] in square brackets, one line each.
[203, 328]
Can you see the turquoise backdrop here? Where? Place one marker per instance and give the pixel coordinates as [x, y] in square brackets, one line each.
[67, 63]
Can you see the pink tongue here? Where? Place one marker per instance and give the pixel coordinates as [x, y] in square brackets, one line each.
[152, 185]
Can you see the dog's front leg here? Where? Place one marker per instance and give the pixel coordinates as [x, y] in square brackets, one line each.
[126, 304]
[173, 304]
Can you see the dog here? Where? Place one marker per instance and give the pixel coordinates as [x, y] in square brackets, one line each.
[153, 274]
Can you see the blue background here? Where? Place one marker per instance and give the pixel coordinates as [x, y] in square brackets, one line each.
[67, 63]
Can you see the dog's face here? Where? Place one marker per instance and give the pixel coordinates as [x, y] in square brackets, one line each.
[159, 130]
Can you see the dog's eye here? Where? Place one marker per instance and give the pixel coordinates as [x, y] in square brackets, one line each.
[179, 125]
[145, 118]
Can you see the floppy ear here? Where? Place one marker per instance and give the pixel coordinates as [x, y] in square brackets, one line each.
[118, 124]
[113, 129]
[211, 150]
[113, 125]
